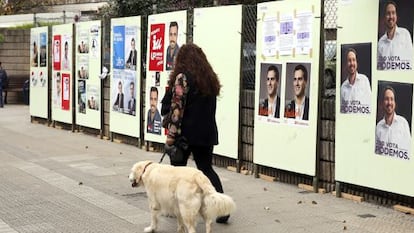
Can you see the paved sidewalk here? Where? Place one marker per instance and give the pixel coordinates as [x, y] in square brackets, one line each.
[53, 180]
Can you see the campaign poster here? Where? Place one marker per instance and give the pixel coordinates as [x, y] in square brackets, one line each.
[33, 78]
[297, 92]
[154, 125]
[56, 52]
[118, 47]
[57, 90]
[356, 78]
[42, 78]
[67, 53]
[83, 67]
[43, 49]
[130, 47]
[81, 96]
[66, 91]
[393, 121]
[269, 94]
[34, 50]
[156, 49]
[94, 41]
[395, 33]
[93, 97]
[83, 38]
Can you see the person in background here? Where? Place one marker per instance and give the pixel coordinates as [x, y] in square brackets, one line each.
[189, 110]
[3, 83]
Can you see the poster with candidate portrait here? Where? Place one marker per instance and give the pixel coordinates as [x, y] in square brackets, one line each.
[356, 78]
[270, 91]
[62, 71]
[379, 139]
[395, 35]
[166, 33]
[125, 76]
[297, 100]
[39, 78]
[393, 120]
[87, 74]
[294, 33]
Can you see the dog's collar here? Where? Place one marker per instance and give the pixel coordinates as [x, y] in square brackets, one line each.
[145, 168]
[143, 171]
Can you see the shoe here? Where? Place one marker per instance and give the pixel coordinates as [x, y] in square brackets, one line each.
[222, 219]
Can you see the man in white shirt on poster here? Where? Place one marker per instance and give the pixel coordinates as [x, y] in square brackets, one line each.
[392, 134]
[355, 90]
[395, 47]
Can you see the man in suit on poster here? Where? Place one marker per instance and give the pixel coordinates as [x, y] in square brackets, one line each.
[132, 101]
[298, 108]
[132, 58]
[271, 105]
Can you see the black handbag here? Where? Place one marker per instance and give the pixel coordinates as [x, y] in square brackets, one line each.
[177, 151]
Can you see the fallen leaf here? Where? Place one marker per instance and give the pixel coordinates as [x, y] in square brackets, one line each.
[265, 189]
[314, 202]
[80, 183]
[299, 202]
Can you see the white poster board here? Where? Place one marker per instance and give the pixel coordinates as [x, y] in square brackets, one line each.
[87, 74]
[223, 50]
[62, 73]
[125, 76]
[159, 65]
[39, 76]
[287, 77]
[370, 151]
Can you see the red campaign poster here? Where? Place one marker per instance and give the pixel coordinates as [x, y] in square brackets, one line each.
[156, 62]
[66, 91]
[56, 52]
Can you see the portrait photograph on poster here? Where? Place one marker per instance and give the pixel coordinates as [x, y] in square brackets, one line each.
[81, 96]
[173, 47]
[43, 49]
[57, 90]
[393, 121]
[153, 115]
[130, 48]
[356, 78]
[395, 33]
[66, 56]
[34, 55]
[297, 92]
[269, 93]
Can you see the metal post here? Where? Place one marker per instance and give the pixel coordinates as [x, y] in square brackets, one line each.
[64, 17]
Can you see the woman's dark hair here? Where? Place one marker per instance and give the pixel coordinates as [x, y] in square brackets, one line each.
[191, 60]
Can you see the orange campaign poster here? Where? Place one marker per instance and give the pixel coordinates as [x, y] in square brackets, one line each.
[156, 62]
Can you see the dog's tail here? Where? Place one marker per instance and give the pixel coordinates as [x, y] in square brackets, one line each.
[215, 204]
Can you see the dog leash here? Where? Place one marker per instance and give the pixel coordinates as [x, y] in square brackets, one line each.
[162, 157]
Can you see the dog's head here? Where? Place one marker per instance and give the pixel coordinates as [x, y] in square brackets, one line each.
[135, 177]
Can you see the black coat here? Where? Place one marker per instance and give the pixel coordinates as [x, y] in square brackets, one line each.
[199, 119]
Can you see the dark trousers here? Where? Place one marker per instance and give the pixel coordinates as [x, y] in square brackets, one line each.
[203, 157]
[1, 96]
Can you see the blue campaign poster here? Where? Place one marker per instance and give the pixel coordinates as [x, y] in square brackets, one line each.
[118, 47]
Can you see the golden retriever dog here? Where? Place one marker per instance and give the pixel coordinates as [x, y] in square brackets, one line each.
[184, 192]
